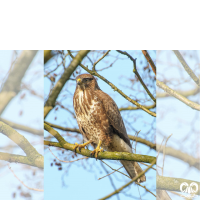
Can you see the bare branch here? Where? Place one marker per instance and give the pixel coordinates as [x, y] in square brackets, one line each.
[186, 67]
[181, 155]
[36, 158]
[177, 95]
[136, 108]
[35, 189]
[162, 183]
[183, 93]
[93, 68]
[150, 61]
[23, 128]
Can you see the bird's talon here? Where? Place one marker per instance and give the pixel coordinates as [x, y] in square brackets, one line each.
[80, 146]
[96, 151]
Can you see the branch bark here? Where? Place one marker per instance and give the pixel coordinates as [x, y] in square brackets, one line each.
[22, 127]
[183, 93]
[186, 67]
[35, 159]
[150, 61]
[136, 108]
[177, 95]
[162, 183]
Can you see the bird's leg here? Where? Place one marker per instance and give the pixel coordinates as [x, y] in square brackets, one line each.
[97, 150]
[81, 145]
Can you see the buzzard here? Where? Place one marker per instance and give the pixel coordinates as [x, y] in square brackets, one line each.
[100, 122]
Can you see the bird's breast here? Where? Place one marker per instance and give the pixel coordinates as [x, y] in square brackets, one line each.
[86, 104]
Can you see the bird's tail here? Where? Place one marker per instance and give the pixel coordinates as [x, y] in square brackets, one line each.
[133, 169]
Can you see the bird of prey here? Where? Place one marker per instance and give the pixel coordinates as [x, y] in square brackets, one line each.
[100, 122]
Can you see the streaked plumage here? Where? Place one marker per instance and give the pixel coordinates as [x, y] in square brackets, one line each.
[99, 119]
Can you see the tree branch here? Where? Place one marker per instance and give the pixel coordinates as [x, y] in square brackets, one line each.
[180, 155]
[102, 155]
[162, 183]
[22, 127]
[33, 156]
[183, 93]
[47, 55]
[186, 67]
[136, 108]
[150, 61]
[177, 95]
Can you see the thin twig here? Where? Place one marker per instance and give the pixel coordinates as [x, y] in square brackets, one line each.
[116, 170]
[164, 152]
[146, 188]
[64, 160]
[35, 189]
[110, 173]
[93, 68]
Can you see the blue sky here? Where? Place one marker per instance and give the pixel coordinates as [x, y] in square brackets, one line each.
[76, 182]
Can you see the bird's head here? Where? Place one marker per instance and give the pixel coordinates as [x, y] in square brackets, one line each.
[86, 81]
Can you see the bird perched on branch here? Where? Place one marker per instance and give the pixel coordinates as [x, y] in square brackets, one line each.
[100, 122]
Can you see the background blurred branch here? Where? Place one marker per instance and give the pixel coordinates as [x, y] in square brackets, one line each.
[181, 156]
[22, 127]
[183, 93]
[33, 156]
[186, 67]
[177, 95]
[162, 183]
